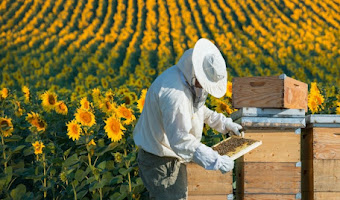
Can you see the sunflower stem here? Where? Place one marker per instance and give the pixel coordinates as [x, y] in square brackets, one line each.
[74, 191]
[88, 151]
[3, 151]
[127, 164]
[45, 185]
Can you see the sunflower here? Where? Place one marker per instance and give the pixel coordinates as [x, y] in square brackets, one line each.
[4, 93]
[73, 130]
[49, 100]
[315, 99]
[26, 92]
[107, 107]
[141, 100]
[84, 104]
[19, 110]
[38, 146]
[222, 106]
[229, 89]
[338, 108]
[6, 126]
[61, 108]
[114, 128]
[109, 95]
[92, 143]
[85, 117]
[35, 120]
[124, 112]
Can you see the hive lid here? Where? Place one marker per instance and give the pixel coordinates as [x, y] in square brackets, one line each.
[320, 120]
[268, 112]
[236, 146]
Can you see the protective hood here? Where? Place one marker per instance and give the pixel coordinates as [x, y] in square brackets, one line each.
[186, 67]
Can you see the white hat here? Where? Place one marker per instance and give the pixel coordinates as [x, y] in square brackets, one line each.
[210, 68]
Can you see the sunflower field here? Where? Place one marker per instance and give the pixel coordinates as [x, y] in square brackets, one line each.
[74, 75]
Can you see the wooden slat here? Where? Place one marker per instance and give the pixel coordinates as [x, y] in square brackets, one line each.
[295, 94]
[269, 178]
[326, 143]
[262, 92]
[326, 175]
[208, 197]
[327, 196]
[279, 146]
[208, 182]
[268, 197]
[307, 163]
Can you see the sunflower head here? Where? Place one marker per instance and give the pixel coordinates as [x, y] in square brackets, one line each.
[141, 100]
[26, 92]
[73, 130]
[84, 104]
[85, 117]
[61, 108]
[6, 126]
[49, 100]
[36, 121]
[38, 146]
[126, 113]
[107, 107]
[4, 93]
[229, 89]
[114, 129]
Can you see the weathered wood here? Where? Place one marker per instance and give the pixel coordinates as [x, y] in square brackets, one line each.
[272, 123]
[271, 178]
[326, 143]
[268, 112]
[269, 197]
[200, 181]
[277, 146]
[295, 94]
[326, 175]
[307, 164]
[269, 92]
[209, 197]
[239, 173]
[323, 119]
[327, 196]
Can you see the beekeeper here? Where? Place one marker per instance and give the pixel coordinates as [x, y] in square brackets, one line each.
[169, 129]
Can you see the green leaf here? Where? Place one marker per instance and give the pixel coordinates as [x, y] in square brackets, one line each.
[117, 179]
[13, 138]
[67, 152]
[124, 171]
[102, 165]
[18, 148]
[71, 161]
[79, 175]
[18, 192]
[81, 194]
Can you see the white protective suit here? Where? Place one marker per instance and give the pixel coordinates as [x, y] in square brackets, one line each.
[170, 126]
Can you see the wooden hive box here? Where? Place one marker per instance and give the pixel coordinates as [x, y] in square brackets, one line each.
[269, 92]
[321, 157]
[273, 170]
[208, 184]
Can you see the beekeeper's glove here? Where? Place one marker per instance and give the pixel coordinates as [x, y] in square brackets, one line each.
[211, 160]
[233, 127]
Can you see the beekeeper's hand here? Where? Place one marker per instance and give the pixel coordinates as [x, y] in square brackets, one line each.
[226, 165]
[211, 160]
[233, 127]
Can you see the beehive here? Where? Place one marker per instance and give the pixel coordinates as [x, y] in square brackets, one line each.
[273, 170]
[207, 184]
[269, 92]
[321, 157]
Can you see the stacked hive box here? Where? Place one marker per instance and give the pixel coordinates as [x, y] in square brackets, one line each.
[321, 158]
[273, 170]
[208, 185]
